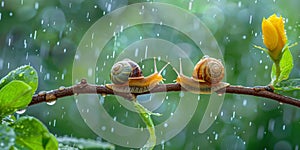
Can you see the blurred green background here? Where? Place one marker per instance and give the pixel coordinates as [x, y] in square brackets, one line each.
[45, 34]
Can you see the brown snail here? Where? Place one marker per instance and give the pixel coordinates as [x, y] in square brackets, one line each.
[127, 77]
[206, 77]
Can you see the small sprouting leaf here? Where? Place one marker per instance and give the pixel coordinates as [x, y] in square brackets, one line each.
[286, 65]
[145, 114]
[289, 85]
[7, 137]
[32, 134]
[25, 73]
[13, 96]
[74, 143]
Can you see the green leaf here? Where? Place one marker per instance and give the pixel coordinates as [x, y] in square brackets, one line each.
[13, 96]
[74, 143]
[285, 65]
[32, 134]
[289, 85]
[25, 73]
[7, 137]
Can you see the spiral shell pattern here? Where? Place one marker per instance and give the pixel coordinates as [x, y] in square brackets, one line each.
[209, 69]
[123, 70]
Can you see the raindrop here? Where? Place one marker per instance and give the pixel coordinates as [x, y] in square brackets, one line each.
[112, 130]
[136, 52]
[250, 19]
[51, 103]
[266, 67]
[181, 94]
[260, 61]
[90, 72]
[101, 100]
[109, 7]
[244, 37]
[260, 132]
[21, 111]
[36, 5]
[271, 125]
[190, 5]
[9, 41]
[250, 123]
[165, 125]
[244, 102]
[103, 128]
[41, 68]
[216, 136]
[54, 122]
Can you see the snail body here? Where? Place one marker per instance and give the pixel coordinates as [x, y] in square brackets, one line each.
[127, 77]
[206, 77]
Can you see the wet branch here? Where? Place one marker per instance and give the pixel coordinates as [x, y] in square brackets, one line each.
[84, 88]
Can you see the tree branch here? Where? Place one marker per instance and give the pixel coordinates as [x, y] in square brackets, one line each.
[84, 88]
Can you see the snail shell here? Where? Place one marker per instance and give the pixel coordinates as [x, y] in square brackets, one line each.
[123, 70]
[209, 69]
[127, 77]
[206, 77]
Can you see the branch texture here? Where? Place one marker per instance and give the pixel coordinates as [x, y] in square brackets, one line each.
[84, 88]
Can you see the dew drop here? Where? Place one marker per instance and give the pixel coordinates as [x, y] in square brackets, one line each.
[21, 74]
[61, 88]
[41, 93]
[21, 111]
[51, 103]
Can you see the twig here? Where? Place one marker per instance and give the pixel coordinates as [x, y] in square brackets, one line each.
[84, 88]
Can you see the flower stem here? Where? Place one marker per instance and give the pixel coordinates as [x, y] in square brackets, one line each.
[278, 71]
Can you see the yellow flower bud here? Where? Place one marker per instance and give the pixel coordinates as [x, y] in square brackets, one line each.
[274, 35]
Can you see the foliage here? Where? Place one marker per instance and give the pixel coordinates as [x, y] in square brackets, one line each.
[16, 91]
[275, 39]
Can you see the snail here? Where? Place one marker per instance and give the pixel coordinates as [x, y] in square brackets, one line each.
[127, 76]
[206, 77]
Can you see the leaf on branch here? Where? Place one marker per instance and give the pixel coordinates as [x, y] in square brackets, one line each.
[13, 96]
[32, 134]
[286, 65]
[74, 143]
[25, 73]
[289, 85]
